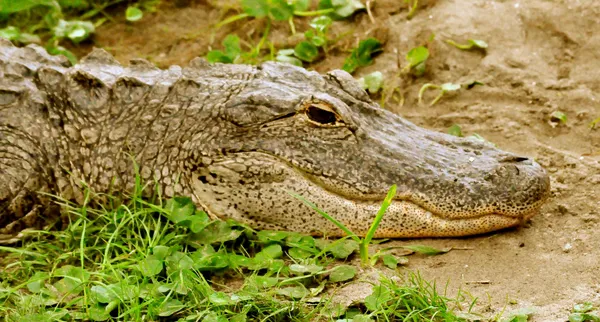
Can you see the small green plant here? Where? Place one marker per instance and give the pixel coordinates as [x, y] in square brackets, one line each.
[14, 34]
[308, 50]
[416, 58]
[366, 241]
[585, 312]
[471, 44]
[340, 9]
[455, 130]
[594, 123]
[412, 7]
[53, 22]
[133, 14]
[232, 51]
[558, 117]
[372, 82]
[362, 55]
[444, 88]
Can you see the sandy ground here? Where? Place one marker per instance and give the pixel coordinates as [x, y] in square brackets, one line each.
[543, 56]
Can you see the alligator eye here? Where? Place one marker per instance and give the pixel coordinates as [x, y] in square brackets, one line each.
[319, 115]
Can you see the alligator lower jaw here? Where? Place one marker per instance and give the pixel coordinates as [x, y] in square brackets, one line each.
[404, 219]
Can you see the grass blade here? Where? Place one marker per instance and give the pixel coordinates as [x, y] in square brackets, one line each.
[326, 216]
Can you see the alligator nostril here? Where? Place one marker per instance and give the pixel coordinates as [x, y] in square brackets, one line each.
[512, 159]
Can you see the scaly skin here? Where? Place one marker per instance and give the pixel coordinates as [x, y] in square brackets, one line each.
[236, 138]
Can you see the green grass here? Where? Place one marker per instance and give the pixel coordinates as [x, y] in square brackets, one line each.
[54, 23]
[142, 261]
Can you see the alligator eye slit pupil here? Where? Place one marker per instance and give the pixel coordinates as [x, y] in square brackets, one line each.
[320, 115]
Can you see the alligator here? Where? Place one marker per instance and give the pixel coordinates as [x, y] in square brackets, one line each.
[238, 139]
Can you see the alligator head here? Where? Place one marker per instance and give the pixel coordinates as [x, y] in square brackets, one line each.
[291, 130]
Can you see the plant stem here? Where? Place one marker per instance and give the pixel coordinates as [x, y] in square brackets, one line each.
[313, 13]
[232, 19]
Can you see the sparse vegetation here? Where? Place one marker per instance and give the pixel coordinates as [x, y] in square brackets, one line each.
[53, 22]
[146, 261]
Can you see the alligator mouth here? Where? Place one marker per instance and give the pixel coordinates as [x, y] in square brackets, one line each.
[406, 218]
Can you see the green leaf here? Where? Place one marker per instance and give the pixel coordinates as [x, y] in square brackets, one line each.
[178, 261]
[161, 252]
[98, 313]
[255, 8]
[60, 50]
[272, 251]
[558, 116]
[316, 40]
[426, 250]
[390, 261]
[133, 14]
[103, 294]
[264, 281]
[170, 307]
[151, 266]
[12, 6]
[35, 284]
[214, 262]
[10, 33]
[73, 279]
[520, 315]
[378, 298]
[217, 56]
[342, 273]
[311, 268]
[372, 82]
[362, 55]
[455, 130]
[75, 30]
[214, 317]
[472, 43]
[290, 60]
[301, 5]
[299, 253]
[233, 50]
[341, 8]
[343, 249]
[594, 123]
[450, 87]
[267, 236]
[220, 298]
[306, 51]
[179, 209]
[232, 46]
[321, 23]
[216, 232]
[294, 292]
[281, 10]
[236, 260]
[583, 307]
[584, 317]
[416, 56]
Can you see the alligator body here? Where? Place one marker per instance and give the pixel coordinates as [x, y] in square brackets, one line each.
[237, 139]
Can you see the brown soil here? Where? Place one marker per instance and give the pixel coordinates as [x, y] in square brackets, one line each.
[543, 56]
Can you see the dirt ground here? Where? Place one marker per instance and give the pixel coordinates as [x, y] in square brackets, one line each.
[543, 56]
